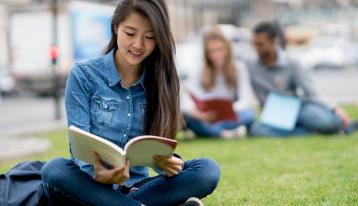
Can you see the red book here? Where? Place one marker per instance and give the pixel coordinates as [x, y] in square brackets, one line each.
[222, 107]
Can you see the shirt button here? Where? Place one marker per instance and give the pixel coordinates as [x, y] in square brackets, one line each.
[129, 114]
[125, 135]
[127, 97]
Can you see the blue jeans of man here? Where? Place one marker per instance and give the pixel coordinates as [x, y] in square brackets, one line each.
[212, 130]
[66, 184]
[312, 118]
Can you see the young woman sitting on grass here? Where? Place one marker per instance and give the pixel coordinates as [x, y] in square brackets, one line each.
[131, 90]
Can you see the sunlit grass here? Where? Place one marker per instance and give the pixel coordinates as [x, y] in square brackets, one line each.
[314, 170]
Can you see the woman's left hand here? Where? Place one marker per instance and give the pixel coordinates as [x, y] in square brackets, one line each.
[170, 165]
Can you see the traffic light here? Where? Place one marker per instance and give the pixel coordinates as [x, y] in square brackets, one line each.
[54, 53]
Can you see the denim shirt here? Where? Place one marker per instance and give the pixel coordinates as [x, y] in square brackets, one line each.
[96, 102]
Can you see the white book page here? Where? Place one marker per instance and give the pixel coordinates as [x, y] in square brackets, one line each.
[140, 150]
[83, 144]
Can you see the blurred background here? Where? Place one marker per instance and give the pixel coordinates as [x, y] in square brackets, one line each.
[40, 40]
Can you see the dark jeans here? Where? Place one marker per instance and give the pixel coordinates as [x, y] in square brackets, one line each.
[205, 129]
[66, 184]
[313, 118]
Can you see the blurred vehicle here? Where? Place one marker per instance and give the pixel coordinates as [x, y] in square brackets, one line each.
[355, 52]
[188, 58]
[298, 53]
[83, 30]
[7, 82]
[324, 52]
[189, 54]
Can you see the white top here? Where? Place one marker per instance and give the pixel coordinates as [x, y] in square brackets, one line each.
[220, 90]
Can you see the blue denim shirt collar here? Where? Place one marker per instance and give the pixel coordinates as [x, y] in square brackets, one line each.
[113, 76]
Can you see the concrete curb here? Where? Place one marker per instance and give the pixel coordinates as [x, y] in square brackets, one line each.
[32, 128]
[15, 147]
[23, 141]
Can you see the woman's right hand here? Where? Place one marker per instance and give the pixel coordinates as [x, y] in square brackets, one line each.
[117, 175]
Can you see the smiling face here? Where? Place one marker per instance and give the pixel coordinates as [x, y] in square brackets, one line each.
[135, 40]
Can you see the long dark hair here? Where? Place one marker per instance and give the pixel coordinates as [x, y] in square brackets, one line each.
[208, 78]
[162, 116]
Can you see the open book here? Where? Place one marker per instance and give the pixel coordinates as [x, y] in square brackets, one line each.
[281, 111]
[223, 108]
[139, 150]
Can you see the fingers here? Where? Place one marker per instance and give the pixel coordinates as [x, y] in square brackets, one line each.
[127, 168]
[127, 163]
[121, 168]
[125, 172]
[170, 165]
[104, 175]
[95, 157]
[118, 170]
[121, 173]
[169, 160]
[171, 171]
[96, 162]
[121, 177]
[115, 176]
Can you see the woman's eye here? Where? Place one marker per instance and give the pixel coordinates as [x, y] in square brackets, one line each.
[150, 37]
[129, 34]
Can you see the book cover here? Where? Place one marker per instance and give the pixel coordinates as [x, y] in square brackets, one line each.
[139, 150]
[222, 107]
[281, 111]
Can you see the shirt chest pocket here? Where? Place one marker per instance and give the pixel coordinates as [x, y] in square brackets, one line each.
[103, 110]
[142, 108]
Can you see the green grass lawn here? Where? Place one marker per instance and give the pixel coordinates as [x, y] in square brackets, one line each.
[315, 170]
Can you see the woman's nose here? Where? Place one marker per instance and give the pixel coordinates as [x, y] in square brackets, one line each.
[138, 42]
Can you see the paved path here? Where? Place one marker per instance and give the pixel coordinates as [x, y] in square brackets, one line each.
[21, 118]
[12, 148]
